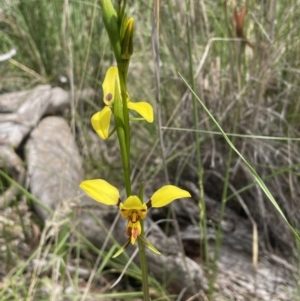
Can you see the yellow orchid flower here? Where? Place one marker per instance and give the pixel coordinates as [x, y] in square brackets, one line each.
[101, 120]
[132, 209]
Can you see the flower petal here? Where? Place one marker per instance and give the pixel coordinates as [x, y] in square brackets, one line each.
[143, 108]
[166, 195]
[133, 202]
[101, 121]
[108, 85]
[133, 230]
[101, 191]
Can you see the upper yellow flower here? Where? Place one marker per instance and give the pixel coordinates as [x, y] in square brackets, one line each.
[111, 83]
[132, 209]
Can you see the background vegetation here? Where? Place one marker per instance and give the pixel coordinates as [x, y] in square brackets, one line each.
[250, 87]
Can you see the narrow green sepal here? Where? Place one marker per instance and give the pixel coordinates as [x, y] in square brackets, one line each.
[122, 249]
[148, 244]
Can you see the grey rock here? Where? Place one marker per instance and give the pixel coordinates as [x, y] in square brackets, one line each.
[20, 112]
[54, 164]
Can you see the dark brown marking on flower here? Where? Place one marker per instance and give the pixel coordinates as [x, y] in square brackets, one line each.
[109, 97]
[149, 204]
[143, 210]
[129, 229]
[119, 202]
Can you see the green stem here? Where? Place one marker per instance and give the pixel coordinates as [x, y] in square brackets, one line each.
[125, 150]
[144, 268]
[123, 130]
[125, 159]
[143, 259]
[123, 67]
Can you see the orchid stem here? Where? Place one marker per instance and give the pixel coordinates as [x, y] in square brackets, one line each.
[124, 136]
[143, 259]
[144, 268]
[123, 67]
[123, 131]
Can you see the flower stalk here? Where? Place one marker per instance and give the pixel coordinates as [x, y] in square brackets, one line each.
[126, 128]
[123, 132]
[143, 259]
[144, 269]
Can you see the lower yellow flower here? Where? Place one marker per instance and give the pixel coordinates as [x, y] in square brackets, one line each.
[132, 209]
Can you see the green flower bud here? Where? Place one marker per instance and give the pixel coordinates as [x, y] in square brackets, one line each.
[127, 41]
[110, 20]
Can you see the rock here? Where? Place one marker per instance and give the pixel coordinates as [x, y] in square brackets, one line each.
[54, 164]
[20, 112]
[28, 110]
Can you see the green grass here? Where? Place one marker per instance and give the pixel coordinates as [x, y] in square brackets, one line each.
[232, 94]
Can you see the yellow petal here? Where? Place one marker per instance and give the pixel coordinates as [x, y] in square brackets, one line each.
[101, 191]
[101, 121]
[143, 108]
[166, 195]
[133, 202]
[109, 83]
[133, 230]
